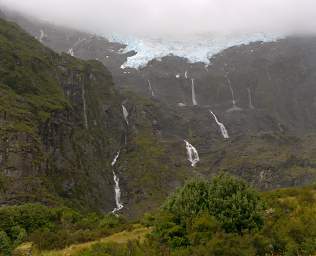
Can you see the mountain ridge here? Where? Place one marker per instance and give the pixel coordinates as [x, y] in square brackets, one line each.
[251, 90]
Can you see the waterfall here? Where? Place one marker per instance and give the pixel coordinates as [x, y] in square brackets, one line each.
[117, 189]
[150, 88]
[193, 155]
[235, 107]
[125, 114]
[186, 74]
[251, 106]
[42, 35]
[194, 102]
[232, 91]
[115, 158]
[221, 126]
[71, 52]
[85, 117]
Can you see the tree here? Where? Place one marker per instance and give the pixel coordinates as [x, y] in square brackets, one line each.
[235, 204]
[189, 200]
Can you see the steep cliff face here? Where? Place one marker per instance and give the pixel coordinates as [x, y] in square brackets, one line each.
[60, 125]
[263, 94]
[265, 80]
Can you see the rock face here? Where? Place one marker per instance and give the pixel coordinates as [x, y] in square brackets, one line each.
[263, 94]
[48, 152]
[274, 79]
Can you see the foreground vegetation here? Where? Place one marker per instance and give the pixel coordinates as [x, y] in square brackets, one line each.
[221, 217]
[52, 228]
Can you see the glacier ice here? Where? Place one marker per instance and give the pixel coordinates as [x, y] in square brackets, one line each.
[195, 49]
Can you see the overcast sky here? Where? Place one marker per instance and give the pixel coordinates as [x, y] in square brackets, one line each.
[179, 17]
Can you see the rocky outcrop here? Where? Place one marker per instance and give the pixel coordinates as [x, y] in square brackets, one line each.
[60, 124]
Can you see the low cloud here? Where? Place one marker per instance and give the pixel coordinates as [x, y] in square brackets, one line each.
[175, 17]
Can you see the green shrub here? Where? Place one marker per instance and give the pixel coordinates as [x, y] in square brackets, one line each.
[5, 244]
[235, 204]
[189, 201]
[18, 235]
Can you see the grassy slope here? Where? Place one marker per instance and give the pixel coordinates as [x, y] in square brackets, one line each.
[138, 234]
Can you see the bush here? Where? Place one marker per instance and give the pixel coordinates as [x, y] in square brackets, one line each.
[235, 205]
[54, 228]
[232, 202]
[189, 201]
[5, 244]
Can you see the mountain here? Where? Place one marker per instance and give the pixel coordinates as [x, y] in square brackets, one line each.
[63, 122]
[52, 145]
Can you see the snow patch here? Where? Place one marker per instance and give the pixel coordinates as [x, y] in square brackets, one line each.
[196, 49]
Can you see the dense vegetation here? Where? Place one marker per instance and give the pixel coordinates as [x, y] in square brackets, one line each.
[189, 225]
[52, 228]
[222, 217]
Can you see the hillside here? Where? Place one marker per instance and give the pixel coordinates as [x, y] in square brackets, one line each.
[57, 137]
[73, 124]
[62, 125]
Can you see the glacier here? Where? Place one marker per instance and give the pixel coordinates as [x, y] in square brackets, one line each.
[196, 49]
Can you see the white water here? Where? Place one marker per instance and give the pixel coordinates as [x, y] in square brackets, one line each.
[115, 158]
[186, 74]
[85, 117]
[234, 107]
[194, 102]
[193, 155]
[221, 126]
[42, 35]
[151, 89]
[71, 52]
[117, 189]
[251, 106]
[125, 114]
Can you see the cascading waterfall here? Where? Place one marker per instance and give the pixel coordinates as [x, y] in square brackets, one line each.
[125, 114]
[117, 190]
[150, 88]
[119, 205]
[71, 52]
[85, 117]
[221, 126]
[235, 107]
[194, 102]
[193, 155]
[115, 158]
[42, 35]
[251, 106]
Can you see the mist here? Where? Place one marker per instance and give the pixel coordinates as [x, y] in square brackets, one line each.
[183, 18]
